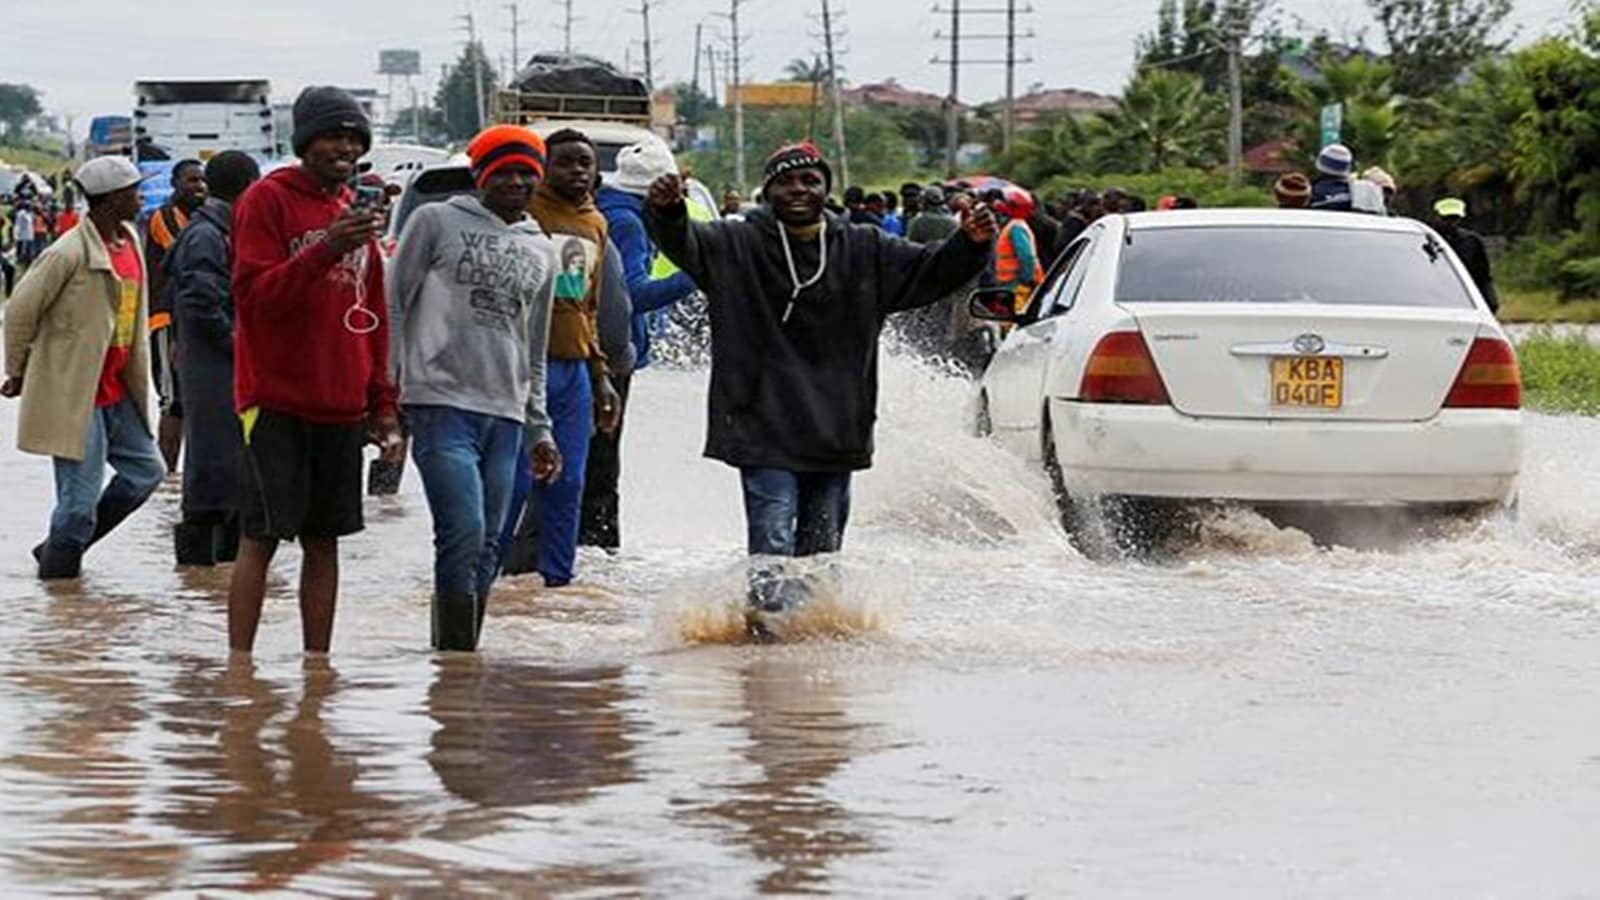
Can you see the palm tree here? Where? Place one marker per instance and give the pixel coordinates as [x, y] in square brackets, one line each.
[810, 71]
[1163, 119]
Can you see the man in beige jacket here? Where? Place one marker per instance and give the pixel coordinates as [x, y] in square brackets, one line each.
[78, 354]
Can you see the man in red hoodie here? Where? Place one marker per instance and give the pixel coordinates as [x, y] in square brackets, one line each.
[311, 362]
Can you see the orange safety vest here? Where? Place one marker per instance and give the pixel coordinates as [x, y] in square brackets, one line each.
[1008, 266]
[164, 226]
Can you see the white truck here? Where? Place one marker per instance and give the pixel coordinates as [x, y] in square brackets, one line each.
[197, 118]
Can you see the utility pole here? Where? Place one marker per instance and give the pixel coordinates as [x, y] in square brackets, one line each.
[566, 27]
[699, 29]
[1010, 60]
[737, 62]
[516, 48]
[1235, 104]
[476, 53]
[711, 66]
[838, 98]
[649, 63]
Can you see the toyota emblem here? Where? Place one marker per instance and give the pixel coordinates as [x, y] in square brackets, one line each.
[1309, 344]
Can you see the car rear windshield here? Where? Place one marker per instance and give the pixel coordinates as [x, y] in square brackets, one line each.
[1259, 264]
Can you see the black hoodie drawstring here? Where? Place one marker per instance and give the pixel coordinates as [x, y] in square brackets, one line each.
[794, 273]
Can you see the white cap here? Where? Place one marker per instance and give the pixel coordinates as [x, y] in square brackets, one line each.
[107, 175]
[639, 165]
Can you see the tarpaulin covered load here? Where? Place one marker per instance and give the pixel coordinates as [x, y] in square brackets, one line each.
[574, 78]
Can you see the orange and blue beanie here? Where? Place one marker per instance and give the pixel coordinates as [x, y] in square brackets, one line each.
[502, 145]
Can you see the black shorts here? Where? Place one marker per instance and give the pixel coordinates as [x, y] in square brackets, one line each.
[300, 479]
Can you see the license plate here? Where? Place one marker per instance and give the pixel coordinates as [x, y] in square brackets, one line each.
[1308, 382]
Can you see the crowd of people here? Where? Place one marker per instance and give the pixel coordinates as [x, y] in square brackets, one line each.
[498, 345]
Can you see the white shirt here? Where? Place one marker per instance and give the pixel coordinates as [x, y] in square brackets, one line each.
[22, 228]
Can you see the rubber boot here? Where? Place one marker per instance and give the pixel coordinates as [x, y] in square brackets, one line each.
[192, 542]
[225, 541]
[108, 515]
[58, 560]
[455, 622]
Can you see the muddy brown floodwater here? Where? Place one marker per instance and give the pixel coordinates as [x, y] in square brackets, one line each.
[984, 713]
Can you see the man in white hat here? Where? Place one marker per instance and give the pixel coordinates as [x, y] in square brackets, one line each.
[1331, 190]
[653, 285]
[78, 354]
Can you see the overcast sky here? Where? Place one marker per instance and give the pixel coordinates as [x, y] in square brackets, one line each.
[85, 54]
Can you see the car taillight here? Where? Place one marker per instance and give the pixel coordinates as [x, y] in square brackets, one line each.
[1489, 378]
[1121, 370]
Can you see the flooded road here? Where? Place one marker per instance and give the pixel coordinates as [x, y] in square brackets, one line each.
[1252, 717]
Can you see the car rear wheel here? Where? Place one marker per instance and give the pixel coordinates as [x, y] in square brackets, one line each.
[1110, 527]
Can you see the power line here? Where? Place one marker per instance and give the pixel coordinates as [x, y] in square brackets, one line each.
[738, 94]
[649, 57]
[955, 62]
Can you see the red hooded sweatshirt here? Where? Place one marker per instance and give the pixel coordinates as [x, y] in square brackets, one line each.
[303, 345]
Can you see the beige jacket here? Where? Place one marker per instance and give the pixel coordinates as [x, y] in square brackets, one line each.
[58, 327]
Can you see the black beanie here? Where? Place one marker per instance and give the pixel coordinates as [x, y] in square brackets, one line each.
[804, 155]
[321, 109]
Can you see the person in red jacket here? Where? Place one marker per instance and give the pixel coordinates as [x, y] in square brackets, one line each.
[311, 362]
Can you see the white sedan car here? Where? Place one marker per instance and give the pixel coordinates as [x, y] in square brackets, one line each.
[1262, 356]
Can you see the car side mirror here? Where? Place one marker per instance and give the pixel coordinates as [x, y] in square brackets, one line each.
[993, 304]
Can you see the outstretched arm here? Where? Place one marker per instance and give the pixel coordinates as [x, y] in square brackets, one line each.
[912, 275]
[690, 245]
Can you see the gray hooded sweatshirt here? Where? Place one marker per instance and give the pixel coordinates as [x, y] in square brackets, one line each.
[469, 313]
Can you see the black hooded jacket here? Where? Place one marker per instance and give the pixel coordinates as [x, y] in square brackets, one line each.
[802, 394]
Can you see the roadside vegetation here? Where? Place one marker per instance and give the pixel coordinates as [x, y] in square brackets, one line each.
[1560, 374]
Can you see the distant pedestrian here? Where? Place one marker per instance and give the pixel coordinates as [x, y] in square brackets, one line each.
[1046, 228]
[78, 354]
[1385, 183]
[935, 222]
[471, 291]
[198, 274]
[1016, 255]
[794, 372]
[1469, 246]
[892, 222]
[855, 203]
[311, 363]
[622, 203]
[161, 230]
[1331, 189]
[910, 202]
[579, 394]
[23, 225]
[1292, 190]
[732, 204]
[1083, 209]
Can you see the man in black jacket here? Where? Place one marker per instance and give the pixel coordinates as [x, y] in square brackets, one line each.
[797, 301]
[197, 270]
[1468, 244]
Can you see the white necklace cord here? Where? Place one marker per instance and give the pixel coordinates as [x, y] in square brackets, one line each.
[358, 319]
[794, 273]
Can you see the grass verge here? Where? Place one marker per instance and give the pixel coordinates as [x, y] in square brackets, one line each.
[1560, 375]
[1545, 306]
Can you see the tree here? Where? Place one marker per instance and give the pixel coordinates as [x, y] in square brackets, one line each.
[1373, 116]
[1162, 119]
[19, 104]
[1057, 146]
[695, 107]
[457, 98]
[1432, 42]
[809, 71]
[878, 152]
[429, 120]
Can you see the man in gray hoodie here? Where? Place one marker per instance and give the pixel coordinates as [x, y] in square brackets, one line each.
[470, 295]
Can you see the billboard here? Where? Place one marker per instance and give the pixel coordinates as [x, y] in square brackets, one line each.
[776, 94]
[399, 62]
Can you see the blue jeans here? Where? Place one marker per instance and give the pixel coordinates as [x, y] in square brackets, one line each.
[468, 462]
[569, 396]
[87, 507]
[791, 514]
[795, 513]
